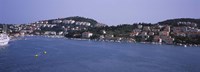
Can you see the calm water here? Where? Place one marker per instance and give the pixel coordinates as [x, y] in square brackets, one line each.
[65, 55]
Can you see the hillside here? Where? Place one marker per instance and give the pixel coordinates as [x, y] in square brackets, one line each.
[180, 22]
[76, 19]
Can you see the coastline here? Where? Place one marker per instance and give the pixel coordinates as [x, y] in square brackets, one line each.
[104, 40]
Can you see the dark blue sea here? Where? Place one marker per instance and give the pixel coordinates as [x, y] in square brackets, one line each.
[65, 55]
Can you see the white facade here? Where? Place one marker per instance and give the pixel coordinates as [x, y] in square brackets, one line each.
[86, 34]
[69, 21]
[57, 21]
[4, 39]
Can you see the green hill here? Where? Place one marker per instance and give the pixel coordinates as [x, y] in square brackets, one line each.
[176, 22]
[77, 19]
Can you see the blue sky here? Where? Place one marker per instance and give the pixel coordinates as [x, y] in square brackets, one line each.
[111, 12]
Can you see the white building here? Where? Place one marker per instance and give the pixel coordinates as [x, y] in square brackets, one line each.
[57, 21]
[69, 21]
[87, 34]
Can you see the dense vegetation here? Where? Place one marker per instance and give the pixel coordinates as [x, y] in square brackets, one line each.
[187, 40]
[82, 19]
[118, 31]
[77, 18]
[174, 22]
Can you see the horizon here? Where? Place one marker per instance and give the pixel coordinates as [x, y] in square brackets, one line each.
[107, 24]
[108, 12]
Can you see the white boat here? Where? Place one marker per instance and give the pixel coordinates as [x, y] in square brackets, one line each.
[4, 39]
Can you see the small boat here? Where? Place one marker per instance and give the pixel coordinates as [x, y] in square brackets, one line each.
[45, 52]
[36, 55]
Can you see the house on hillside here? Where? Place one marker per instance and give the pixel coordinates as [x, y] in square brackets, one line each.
[132, 34]
[167, 39]
[157, 39]
[164, 33]
[86, 34]
[146, 28]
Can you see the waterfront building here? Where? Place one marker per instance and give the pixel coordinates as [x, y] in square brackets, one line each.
[86, 34]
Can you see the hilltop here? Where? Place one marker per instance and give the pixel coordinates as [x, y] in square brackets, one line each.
[181, 22]
[76, 20]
